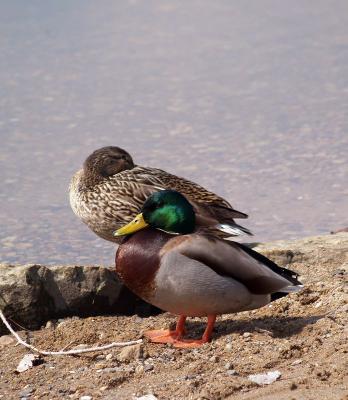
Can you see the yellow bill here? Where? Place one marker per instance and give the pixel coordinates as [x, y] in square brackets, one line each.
[135, 225]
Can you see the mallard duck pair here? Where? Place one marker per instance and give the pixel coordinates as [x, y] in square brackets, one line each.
[175, 256]
[110, 190]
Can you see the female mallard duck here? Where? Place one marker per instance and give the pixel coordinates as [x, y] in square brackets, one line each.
[110, 190]
[190, 272]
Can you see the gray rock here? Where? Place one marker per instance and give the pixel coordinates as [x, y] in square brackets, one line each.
[32, 294]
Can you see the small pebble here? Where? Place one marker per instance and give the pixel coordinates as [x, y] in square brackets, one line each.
[130, 353]
[189, 377]
[139, 369]
[109, 370]
[86, 398]
[61, 322]
[265, 378]
[148, 367]
[232, 372]
[29, 361]
[108, 357]
[214, 359]
[296, 362]
[246, 334]
[49, 325]
[228, 365]
[26, 392]
[228, 346]
[6, 340]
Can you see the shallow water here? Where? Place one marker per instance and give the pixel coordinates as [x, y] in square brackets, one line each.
[249, 99]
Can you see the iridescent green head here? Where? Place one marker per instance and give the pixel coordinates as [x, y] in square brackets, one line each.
[166, 210]
[170, 211]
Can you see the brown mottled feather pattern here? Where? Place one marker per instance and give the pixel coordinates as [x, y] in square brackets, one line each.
[138, 259]
[113, 201]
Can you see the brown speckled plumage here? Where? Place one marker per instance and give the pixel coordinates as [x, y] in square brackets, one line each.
[110, 190]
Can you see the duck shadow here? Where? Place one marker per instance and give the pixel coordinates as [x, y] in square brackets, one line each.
[277, 327]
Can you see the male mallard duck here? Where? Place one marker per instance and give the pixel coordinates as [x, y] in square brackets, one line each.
[110, 190]
[190, 272]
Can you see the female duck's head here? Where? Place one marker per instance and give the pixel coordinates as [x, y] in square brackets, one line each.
[107, 161]
[166, 210]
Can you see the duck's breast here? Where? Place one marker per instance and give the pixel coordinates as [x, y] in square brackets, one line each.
[138, 261]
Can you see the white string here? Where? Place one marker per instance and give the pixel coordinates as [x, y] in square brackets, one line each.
[67, 352]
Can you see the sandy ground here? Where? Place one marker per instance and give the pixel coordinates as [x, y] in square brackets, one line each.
[303, 336]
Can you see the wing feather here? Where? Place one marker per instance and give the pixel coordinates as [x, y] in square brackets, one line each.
[259, 274]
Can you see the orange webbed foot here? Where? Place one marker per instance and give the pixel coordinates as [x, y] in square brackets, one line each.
[161, 336]
[175, 337]
[166, 335]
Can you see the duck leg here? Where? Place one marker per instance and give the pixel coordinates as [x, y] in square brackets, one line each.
[166, 335]
[192, 343]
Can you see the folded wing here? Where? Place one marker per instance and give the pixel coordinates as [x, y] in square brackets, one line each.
[256, 272]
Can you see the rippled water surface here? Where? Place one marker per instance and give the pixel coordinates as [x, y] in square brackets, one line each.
[249, 99]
